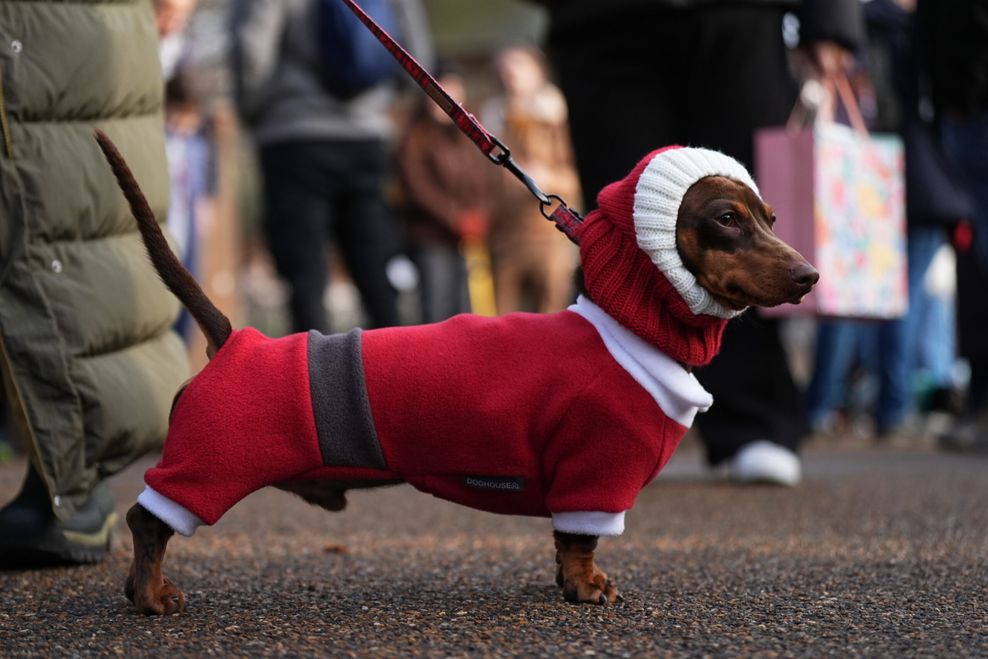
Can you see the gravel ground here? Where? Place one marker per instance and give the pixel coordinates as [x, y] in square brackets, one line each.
[880, 553]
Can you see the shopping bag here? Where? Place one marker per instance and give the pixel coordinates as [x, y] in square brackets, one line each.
[839, 199]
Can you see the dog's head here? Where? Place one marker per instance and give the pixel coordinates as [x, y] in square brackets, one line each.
[725, 239]
[697, 216]
[682, 244]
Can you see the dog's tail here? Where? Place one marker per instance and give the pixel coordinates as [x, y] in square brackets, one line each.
[179, 281]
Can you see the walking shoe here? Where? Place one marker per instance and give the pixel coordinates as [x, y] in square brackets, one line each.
[31, 536]
[967, 436]
[765, 462]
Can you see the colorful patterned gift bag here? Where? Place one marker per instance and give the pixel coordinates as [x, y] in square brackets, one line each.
[839, 197]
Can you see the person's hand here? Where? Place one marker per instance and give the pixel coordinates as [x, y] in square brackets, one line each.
[171, 16]
[824, 60]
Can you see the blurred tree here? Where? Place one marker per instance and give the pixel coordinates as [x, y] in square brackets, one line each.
[481, 28]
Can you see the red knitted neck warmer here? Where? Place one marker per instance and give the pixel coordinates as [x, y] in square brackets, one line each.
[624, 282]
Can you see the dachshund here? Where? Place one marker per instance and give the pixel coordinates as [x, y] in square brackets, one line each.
[566, 415]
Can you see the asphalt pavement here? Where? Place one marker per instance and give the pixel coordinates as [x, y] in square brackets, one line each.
[877, 553]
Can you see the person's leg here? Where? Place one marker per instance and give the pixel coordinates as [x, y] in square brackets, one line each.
[31, 535]
[833, 356]
[295, 221]
[935, 341]
[442, 282]
[738, 81]
[367, 230]
[895, 396]
[926, 355]
[755, 397]
[966, 142]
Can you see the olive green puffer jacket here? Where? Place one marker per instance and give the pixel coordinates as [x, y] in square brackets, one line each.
[86, 348]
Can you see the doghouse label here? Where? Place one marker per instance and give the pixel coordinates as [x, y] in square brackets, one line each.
[508, 483]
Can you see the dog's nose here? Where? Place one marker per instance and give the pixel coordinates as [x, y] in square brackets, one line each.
[804, 274]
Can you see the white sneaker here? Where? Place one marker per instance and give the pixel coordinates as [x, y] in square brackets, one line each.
[766, 462]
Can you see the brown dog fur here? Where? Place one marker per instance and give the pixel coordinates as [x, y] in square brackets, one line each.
[724, 237]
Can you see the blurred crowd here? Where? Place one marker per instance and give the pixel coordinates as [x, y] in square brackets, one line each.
[437, 231]
[304, 201]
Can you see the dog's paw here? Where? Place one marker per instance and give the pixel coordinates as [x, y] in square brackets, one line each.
[589, 587]
[164, 600]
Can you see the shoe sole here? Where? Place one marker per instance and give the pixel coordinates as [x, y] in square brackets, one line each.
[766, 480]
[62, 548]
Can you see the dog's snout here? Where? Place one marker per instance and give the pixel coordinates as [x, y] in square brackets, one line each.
[804, 274]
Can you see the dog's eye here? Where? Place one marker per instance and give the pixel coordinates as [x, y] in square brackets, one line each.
[771, 220]
[728, 219]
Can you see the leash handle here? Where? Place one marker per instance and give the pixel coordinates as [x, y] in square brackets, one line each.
[565, 218]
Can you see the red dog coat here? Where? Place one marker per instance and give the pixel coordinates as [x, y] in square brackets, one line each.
[564, 414]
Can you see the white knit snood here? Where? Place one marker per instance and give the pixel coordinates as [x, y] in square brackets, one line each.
[658, 195]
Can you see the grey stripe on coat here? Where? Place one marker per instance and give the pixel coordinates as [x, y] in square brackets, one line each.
[344, 424]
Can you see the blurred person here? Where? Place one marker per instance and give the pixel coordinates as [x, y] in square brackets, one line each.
[88, 358]
[954, 42]
[324, 159]
[647, 73]
[532, 262]
[171, 18]
[446, 195]
[897, 353]
[189, 168]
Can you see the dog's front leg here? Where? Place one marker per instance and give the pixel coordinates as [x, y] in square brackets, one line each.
[578, 575]
[150, 591]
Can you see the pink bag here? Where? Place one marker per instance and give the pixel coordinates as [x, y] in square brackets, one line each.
[839, 197]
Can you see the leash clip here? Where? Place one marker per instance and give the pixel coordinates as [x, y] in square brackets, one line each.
[502, 156]
[504, 160]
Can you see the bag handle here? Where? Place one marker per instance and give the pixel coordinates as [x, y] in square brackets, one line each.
[811, 95]
[850, 101]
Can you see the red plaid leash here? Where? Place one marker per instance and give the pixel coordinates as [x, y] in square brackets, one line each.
[565, 218]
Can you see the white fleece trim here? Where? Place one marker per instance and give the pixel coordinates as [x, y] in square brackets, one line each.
[586, 522]
[175, 515]
[675, 390]
[659, 193]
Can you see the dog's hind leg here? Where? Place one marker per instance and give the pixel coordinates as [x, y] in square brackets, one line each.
[317, 493]
[578, 575]
[330, 495]
[147, 587]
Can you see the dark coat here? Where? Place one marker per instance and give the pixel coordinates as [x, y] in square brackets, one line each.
[835, 20]
[954, 42]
